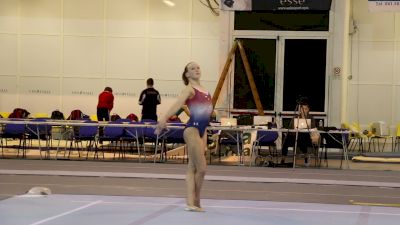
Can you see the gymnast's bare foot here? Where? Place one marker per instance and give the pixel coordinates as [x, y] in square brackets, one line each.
[194, 209]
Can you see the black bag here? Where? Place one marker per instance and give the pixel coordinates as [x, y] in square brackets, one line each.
[115, 117]
[57, 115]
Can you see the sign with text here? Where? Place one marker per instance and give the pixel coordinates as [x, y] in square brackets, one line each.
[274, 5]
[384, 5]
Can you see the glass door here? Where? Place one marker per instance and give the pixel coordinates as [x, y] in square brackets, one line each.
[284, 70]
[261, 54]
[303, 75]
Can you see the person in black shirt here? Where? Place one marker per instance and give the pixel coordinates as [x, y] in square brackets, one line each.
[149, 99]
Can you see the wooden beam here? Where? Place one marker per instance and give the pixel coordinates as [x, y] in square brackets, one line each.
[224, 73]
[249, 74]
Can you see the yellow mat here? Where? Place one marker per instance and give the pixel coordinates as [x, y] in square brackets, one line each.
[375, 159]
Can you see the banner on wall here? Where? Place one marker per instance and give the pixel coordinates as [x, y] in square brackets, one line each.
[384, 5]
[275, 5]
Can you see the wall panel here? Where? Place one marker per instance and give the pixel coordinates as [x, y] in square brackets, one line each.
[126, 57]
[396, 109]
[40, 16]
[83, 56]
[8, 93]
[376, 67]
[373, 26]
[39, 94]
[8, 54]
[79, 47]
[165, 21]
[396, 72]
[373, 89]
[202, 49]
[9, 16]
[204, 23]
[167, 58]
[40, 55]
[83, 17]
[81, 93]
[376, 99]
[126, 17]
[126, 95]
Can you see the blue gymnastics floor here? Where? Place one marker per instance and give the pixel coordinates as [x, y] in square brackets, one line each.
[123, 210]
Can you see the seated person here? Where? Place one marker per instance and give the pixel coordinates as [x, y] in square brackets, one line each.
[304, 139]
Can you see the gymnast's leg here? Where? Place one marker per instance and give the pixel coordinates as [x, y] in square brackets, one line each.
[196, 166]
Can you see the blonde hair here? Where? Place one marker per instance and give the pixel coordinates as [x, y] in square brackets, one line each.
[184, 78]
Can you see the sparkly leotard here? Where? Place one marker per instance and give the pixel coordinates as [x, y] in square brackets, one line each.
[200, 107]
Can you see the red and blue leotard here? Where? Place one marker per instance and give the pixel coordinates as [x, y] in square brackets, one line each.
[200, 107]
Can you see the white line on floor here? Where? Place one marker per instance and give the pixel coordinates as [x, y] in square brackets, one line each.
[66, 213]
[253, 208]
[209, 178]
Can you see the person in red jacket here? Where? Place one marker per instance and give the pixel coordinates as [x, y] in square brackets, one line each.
[105, 104]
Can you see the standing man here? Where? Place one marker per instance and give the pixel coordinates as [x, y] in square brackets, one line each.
[105, 104]
[149, 99]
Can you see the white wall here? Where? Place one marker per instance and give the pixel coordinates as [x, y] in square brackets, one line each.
[60, 54]
[374, 85]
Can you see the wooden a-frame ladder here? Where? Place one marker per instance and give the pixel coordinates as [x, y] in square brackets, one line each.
[253, 87]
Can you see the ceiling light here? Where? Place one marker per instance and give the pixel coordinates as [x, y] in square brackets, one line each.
[169, 3]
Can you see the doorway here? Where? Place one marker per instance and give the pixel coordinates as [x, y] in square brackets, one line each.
[284, 70]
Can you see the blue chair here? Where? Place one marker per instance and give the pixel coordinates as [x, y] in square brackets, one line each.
[134, 135]
[86, 132]
[265, 138]
[229, 138]
[123, 120]
[124, 139]
[40, 132]
[333, 140]
[149, 136]
[173, 135]
[148, 121]
[113, 135]
[15, 131]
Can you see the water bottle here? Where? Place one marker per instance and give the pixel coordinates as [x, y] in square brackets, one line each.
[320, 123]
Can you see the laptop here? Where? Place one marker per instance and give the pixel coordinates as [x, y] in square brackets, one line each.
[302, 123]
[262, 120]
[228, 121]
[244, 120]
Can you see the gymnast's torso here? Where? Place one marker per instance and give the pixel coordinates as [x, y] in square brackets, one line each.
[200, 107]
